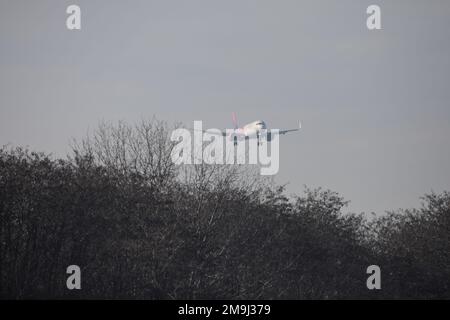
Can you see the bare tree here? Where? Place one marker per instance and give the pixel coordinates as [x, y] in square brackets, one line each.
[143, 149]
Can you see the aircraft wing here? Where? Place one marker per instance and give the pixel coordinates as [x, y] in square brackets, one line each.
[291, 130]
[286, 131]
[222, 133]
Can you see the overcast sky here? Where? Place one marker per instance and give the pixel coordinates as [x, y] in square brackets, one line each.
[374, 104]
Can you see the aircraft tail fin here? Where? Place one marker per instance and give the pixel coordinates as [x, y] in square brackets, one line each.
[234, 118]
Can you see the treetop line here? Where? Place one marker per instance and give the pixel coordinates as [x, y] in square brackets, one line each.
[73, 21]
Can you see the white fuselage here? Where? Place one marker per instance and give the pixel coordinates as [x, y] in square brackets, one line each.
[253, 129]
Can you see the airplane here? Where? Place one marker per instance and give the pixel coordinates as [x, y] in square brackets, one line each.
[253, 130]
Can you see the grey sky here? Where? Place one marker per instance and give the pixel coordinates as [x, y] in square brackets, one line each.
[373, 104]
